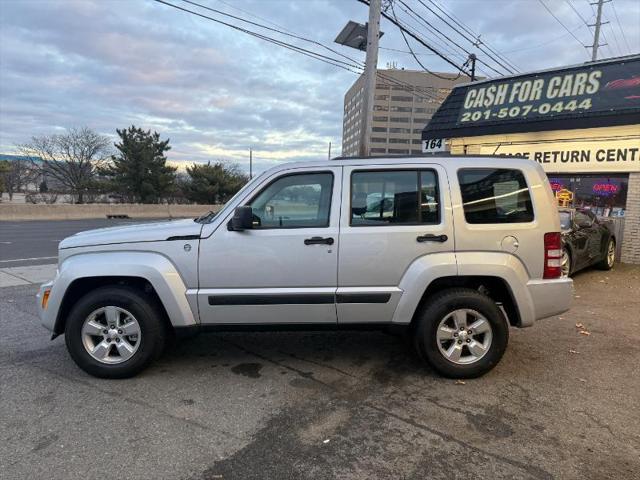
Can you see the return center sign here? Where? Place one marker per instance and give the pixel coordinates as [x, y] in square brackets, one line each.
[579, 157]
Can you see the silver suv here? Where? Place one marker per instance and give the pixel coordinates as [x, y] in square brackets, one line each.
[452, 250]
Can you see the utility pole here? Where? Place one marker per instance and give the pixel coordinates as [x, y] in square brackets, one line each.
[250, 163]
[596, 33]
[371, 64]
[472, 59]
[329, 156]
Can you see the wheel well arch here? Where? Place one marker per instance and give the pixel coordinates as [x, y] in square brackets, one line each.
[81, 286]
[495, 288]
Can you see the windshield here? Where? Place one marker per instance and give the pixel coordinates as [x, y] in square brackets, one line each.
[565, 220]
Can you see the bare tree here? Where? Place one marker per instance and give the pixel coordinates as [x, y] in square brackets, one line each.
[72, 158]
[17, 175]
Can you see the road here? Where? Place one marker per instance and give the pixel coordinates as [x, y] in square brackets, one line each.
[561, 404]
[36, 242]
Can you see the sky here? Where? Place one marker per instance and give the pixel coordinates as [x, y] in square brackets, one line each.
[216, 92]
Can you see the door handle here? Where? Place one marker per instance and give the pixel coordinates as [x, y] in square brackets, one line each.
[429, 237]
[318, 241]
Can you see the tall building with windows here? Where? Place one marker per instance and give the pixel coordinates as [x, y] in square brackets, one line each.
[403, 104]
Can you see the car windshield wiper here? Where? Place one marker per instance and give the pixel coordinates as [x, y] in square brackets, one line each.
[206, 217]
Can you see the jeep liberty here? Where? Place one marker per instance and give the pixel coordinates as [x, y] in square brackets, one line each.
[452, 250]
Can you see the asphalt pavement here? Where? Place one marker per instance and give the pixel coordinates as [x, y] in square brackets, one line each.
[36, 242]
[563, 403]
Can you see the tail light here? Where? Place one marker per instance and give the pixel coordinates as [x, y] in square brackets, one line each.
[552, 255]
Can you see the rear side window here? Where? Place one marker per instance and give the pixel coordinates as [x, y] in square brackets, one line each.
[394, 197]
[495, 195]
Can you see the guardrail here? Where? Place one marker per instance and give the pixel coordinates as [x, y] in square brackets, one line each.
[10, 211]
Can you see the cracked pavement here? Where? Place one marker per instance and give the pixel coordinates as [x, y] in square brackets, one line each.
[561, 404]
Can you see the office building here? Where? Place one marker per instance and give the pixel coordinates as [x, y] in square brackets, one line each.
[404, 102]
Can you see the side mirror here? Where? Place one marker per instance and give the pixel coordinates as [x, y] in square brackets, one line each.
[242, 219]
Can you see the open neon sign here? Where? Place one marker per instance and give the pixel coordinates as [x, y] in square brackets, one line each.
[605, 189]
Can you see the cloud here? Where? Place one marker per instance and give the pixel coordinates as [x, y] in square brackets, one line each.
[216, 92]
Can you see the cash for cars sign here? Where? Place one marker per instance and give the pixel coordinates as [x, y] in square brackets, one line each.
[554, 94]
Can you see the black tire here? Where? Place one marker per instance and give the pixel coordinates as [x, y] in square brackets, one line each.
[142, 307]
[569, 260]
[604, 264]
[441, 305]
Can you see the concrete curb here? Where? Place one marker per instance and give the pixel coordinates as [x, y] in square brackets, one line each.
[10, 211]
[27, 275]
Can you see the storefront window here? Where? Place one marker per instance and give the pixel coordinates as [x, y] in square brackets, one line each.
[605, 195]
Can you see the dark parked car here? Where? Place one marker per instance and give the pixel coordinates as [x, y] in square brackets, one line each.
[586, 241]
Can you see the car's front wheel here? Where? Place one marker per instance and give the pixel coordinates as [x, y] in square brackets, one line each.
[461, 333]
[114, 332]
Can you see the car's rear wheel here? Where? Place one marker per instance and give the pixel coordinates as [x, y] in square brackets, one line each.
[609, 259]
[114, 332]
[566, 263]
[461, 333]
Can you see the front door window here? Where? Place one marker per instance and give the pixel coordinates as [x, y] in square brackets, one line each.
[294, 201]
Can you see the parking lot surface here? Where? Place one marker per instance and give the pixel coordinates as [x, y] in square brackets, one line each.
[563, 403]
[36, 242]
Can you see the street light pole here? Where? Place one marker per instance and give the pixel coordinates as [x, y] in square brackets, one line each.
[371, 64]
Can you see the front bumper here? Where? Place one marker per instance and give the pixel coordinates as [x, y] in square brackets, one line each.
[46, 313]
[550, 297]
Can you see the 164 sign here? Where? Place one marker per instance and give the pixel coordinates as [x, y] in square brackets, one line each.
[434, 145]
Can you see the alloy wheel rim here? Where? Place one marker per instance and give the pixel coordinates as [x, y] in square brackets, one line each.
[464, 336]
[111, 335]
[565, 267]
[611, 254]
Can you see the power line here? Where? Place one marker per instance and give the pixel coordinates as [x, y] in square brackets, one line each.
[281, 31]
[615, 39]
[416, 36]
[560, 22]
[323, 58]
[408, 88]
[464, 57]
[584, 20]
[414, 55]
[447, 38]
[231, 5]
[624, 36]
[546, 43]
[454, 19]
[476, 37]
[460, 56]
[425, 22]
[407, 52]
[434, 40]
[473, 41]
[404, 51]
